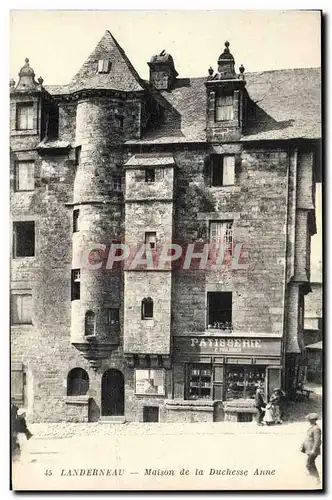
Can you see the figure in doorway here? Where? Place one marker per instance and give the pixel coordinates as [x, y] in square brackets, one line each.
[275, 400]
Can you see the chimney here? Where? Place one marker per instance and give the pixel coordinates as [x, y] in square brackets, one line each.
[162, 71]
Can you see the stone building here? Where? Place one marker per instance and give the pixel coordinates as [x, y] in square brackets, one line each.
[109, 159]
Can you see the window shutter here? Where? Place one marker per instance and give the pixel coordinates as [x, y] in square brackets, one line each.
[25, 176]
[26, 309]
[228, 170]
[17, 383]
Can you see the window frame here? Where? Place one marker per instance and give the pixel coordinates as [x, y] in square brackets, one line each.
[81, 381]
[147, 234]
[108, 321]
[221, 159]
[228, 312]
[151, 376]
[247, 369]
[117, 183]
[147, 301]
[17, 165]
[150, 175]
[199, 379]
[228, 236]
[76, 218]
[75, 284]
[104, 66]
[21, 294]
[218, 106]
[28, 105]
[89, 324]
[16, 225]
[19, 398]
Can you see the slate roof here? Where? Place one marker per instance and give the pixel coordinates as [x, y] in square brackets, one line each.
[287, 102]
[150, 160]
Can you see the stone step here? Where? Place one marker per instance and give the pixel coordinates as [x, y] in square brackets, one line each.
[112, 419]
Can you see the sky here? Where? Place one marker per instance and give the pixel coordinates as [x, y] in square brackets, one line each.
[57, 42]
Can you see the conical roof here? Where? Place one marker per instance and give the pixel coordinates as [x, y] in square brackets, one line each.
[122, 75]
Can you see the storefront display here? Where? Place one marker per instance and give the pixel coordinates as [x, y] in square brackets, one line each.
[242, 381]
[200, 382]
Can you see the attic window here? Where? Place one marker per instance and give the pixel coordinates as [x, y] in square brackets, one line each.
[104, 66]
[224, 108]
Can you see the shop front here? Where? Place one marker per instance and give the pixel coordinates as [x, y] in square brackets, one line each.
[219, 375]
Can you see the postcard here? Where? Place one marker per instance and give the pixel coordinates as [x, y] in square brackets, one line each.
[166, 255]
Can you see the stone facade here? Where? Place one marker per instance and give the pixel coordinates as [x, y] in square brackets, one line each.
[90, 191]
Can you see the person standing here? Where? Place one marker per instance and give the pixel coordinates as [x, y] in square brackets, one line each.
[275, 400]
[259, 404]
[311, 445]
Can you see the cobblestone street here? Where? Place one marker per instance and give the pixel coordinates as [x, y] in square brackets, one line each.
[129, 451]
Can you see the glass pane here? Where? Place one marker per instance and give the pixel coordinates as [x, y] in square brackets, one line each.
[26, 308]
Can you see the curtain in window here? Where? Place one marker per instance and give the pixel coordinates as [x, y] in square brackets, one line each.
[228, 170]
[224, 108]
[25, 176]
[222, 233]
[90, 323]
[25, 117]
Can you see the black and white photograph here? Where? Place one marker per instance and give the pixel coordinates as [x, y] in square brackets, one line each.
[166, 297]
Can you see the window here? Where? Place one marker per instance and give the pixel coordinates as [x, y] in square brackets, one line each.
[104, 66]
[242, 381]
[118, 120]
[149, 175]
[52, 122]
[21, 308]
[24, 239]
[112, 318]
[147, 308]
[219, 310]
[76, 215]
[18, 385]
[150, 382]
[151, 239]
[25, 176]
[200, 381]
[24, 116]
[75, 284]
[90, 324]
[78, 151]
[117, 183]
[221, 233]
[222, 170]
[224, 108]
[77, 382]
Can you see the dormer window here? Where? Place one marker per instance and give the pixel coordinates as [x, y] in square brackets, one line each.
[224, 108]
[104, 66]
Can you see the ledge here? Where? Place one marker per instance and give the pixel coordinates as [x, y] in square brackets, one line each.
[77, 400]
[190, 405]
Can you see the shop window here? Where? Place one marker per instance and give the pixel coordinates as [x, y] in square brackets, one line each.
[222, 170]
[112, 318]
[117, 183]
[221, 233]
[151, 240]
[24, 239]
[18, 385]
[75, 284]
[104, 66]
[25, 176]
[150, 382]
[90, 324]
[242, 381]
[150, 175]
[219, 310]
[24, 116]
[77, 382]
[21, 309]
[224, 108]
[200, 381]
[76, 215]
[147, 308]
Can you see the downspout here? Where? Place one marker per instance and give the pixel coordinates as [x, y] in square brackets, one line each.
[292, 161]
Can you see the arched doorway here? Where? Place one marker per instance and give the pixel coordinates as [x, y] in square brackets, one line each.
[112, 393]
